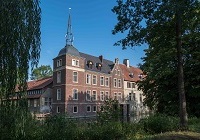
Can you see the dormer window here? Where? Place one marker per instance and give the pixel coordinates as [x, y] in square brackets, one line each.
[131, 75]
[90, 64]
[140, 76]
[98, 65]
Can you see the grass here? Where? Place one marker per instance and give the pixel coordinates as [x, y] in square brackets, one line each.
[185, 135]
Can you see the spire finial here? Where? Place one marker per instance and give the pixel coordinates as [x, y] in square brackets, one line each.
[69, 35]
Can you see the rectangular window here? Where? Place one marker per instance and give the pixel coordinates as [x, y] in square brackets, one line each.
[49, 101]
[59, 77]
[115, 96]
[46, 101]
[58, 109]
[119, 96]
[75, 109]
[130, 96]
[140, 98]
[133, 85]
[134, 98]
[29, 103]
[59, 94]
[88, 78]
[94, 79]
[107, 81]
[75, 62]
[94, 95]
[106, 95]
[115, 82]
[75, 77]
[101, 80]
[94, 108]
[118, 72]
[102, 96]
[88, 108]
[119, 83]
[88, 95]
[75, 94]
[35, 102]
[59, 62]
[128, 85]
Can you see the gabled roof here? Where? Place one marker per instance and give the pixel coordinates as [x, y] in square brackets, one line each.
[39, 84]
[127, 71]
[107, 65]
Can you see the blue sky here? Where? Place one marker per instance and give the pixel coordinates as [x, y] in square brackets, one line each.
[92, 23]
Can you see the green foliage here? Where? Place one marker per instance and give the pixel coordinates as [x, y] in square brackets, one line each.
[19, 48]
[153, 23]
[41, 72]
[109, 111]
[159, 123]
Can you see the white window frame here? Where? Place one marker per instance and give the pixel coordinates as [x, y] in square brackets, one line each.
[35, 103]
[106, 95]
[119, 96]
[115, 96]
[75, 81]
[88, 79]
[94, 99]
[101, 81]
[115, 82]
[118, 72]
[75, 62]
[94, 79]
[102, 95]
[59, 62]
[76, 109]
[88, 92]
[107, 81]
[87, 108]
[29, 103]
[58, 109]
[58, 93]
[133, 85]
[94, 110]
[73, 94]
[119, 83]
[59, 77]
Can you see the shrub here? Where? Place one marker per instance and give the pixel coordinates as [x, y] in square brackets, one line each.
[159, 123]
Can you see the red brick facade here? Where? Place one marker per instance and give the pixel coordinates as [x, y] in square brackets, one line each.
[77, 80]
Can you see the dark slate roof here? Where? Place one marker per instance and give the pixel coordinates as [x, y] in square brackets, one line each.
[107, 65]
[69, 49]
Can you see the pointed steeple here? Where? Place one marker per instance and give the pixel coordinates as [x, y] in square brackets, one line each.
[69, 36]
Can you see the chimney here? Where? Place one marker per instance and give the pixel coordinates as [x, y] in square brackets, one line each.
[101, 58]
[116, 60]
[126, 62]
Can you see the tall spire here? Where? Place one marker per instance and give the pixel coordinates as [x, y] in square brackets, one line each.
[69, 36]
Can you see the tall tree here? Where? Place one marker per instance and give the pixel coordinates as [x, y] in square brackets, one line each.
[41, 72]
[159, 23]
[19, 48]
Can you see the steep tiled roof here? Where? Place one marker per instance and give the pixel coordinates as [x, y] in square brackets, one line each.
[39, 84]
[127, 71]
[107, 65]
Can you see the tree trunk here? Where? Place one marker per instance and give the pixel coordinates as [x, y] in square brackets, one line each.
[181, 90]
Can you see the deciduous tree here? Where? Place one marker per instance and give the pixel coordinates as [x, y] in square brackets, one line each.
[19, 49]
[41, 72]
[164, 25]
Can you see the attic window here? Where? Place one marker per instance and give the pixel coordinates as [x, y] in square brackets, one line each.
[140, 76]
[131, 75]
[90, 64]
[98, 65]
